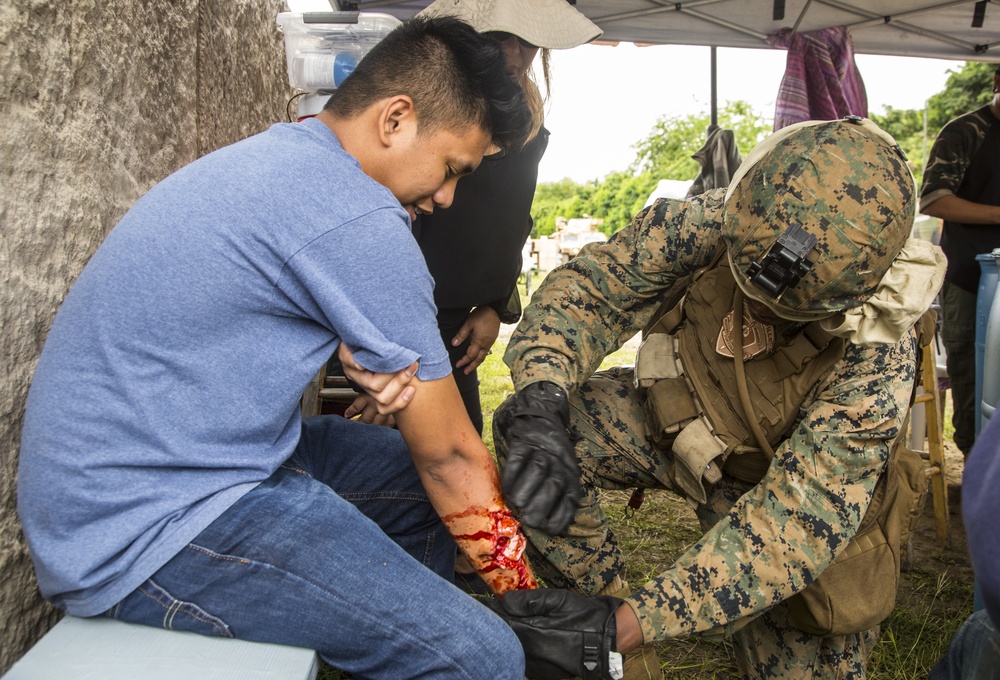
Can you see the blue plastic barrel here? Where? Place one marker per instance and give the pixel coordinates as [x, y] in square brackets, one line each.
[990, 374]
[987, 356]
[989, 274]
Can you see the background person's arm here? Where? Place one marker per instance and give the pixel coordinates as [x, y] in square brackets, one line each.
[954, 209]
[483, 325]
[463, 484]
[950, 159]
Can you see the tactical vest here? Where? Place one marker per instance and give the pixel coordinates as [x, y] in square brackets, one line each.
[692, 397]
[695, 411]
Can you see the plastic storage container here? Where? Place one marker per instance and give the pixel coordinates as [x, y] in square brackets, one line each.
[321, 52]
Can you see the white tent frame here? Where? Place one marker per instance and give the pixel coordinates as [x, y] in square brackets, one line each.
[917, 28]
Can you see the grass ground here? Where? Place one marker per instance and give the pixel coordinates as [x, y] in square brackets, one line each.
[935, 594]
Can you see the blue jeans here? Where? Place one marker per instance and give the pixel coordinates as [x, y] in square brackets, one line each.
[974, 652]
[338, 551]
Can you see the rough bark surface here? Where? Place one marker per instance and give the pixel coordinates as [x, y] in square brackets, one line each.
[100, 100]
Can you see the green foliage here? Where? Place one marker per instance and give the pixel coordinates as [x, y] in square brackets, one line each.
[966, 89]
[666, 151]
[615, 199]
[619, 197]
[552, 199]
[664, 154]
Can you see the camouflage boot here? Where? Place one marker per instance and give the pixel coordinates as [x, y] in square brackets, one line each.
[641, 663]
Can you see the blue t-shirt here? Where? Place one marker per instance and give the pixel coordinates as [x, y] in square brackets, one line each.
[169, 385]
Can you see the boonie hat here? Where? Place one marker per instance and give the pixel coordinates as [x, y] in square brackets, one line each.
[552, 24]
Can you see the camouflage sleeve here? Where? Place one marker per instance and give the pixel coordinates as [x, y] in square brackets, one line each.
[591, 306]
[784, 532]
[952, 154]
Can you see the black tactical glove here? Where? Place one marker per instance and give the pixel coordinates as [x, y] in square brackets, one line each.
[541, 476]
[563, 634]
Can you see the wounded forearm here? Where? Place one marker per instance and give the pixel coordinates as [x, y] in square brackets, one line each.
[494, 544]
[463, 484]
[466, 493]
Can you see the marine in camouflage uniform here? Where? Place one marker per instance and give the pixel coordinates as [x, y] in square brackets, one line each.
[964, 163]
[763, 542]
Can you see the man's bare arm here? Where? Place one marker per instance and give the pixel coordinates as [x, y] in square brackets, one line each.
[954, 209]
[463, 484]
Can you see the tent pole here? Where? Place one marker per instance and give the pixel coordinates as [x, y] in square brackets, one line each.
[715, 93]
[802, 15]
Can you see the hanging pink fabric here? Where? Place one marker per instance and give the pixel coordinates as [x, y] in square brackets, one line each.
[821, 81]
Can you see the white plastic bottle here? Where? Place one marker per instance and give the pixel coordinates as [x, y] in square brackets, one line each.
[323, 71]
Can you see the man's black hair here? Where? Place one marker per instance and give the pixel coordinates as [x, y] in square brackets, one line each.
[455, 77]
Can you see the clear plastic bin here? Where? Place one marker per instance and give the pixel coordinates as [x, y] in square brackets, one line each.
[321, 55]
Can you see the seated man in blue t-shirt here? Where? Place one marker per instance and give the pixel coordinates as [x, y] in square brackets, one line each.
[166, 476]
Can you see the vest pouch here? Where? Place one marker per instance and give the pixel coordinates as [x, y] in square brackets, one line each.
[913, 487]
[695, 450]
[656, 359]
[855, 593]
[835, 604]
[669, 407]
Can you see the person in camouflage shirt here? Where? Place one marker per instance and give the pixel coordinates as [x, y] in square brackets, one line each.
[962, 186]
[846, 276]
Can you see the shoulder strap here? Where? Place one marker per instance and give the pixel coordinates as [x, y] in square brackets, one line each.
[741, 377]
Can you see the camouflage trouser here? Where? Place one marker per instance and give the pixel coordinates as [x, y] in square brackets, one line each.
[615, 452]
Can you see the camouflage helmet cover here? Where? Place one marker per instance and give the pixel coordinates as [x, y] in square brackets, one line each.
[844, 182]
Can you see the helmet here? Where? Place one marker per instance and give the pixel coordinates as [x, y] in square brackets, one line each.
[815, 216]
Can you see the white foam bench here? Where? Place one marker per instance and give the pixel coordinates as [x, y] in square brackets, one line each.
[105, 649]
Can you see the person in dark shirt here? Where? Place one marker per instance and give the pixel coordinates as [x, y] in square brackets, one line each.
[962, 187]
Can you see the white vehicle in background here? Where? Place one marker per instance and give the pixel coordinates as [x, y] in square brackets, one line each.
[572, 235]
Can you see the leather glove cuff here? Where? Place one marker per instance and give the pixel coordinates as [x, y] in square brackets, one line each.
[562, 633]
[542, 400]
